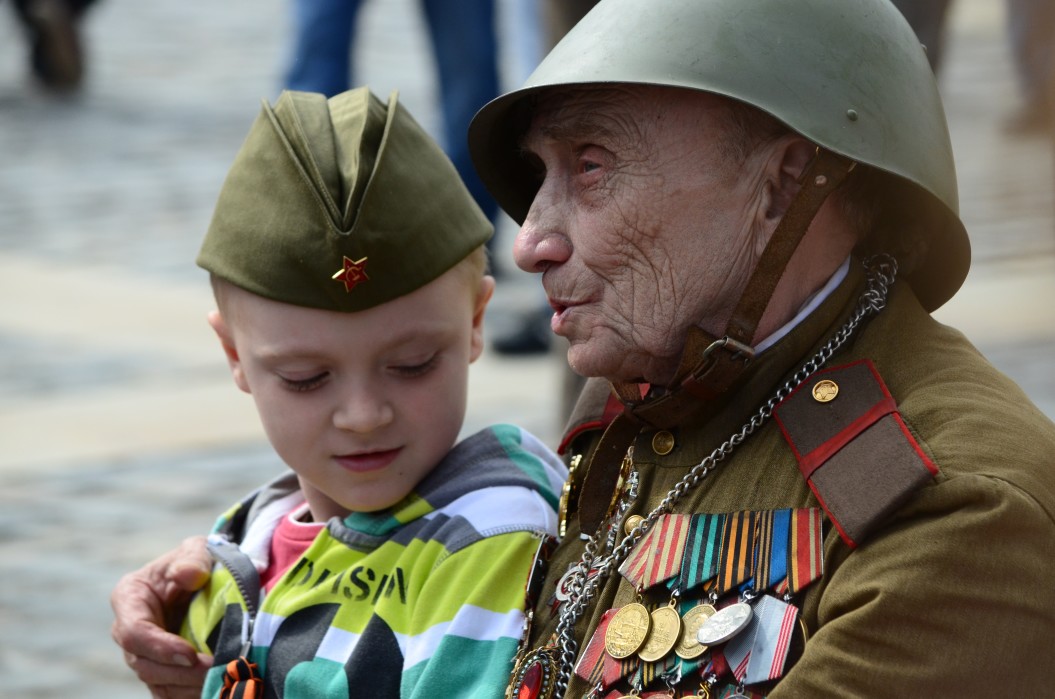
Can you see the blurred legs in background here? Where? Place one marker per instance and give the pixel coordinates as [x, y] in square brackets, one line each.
[464, 47]
[55, 51]
[1031, 32]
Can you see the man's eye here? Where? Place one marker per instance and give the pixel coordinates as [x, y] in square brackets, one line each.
[535, 167]
[301, 385]
[588, 166]
[412, 370]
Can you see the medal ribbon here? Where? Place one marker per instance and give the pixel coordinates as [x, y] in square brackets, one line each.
[736, 561]
[595, 666]
[658, 556]
[806, 550]
[702, 546]
[759, 652]
[771, 549]
[241, 680]
[771, 639]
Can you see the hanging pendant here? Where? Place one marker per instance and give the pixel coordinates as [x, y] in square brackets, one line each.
[535, 675]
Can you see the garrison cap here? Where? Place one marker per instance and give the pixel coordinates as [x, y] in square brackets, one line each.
[340, 204]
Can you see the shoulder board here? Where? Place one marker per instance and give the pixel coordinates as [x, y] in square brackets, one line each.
[596, 407]
[853, 448]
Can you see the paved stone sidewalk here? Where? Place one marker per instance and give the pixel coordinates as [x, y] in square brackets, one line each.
[119, 430]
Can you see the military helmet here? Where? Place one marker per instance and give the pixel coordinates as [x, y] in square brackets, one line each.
[851, 76]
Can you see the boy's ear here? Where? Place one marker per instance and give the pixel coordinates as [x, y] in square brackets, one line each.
[486, 290]
[223, 332]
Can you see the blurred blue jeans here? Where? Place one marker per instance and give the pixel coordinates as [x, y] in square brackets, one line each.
[1031, 28]
[466, 56]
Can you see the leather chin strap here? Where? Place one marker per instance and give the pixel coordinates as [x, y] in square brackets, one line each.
[709, 366]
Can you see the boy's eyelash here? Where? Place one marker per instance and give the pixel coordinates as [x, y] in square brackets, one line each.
[301, 385]
[417, 369]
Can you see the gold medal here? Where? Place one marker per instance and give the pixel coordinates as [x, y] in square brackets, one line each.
[627, 631]
[666, 629]
[689, 648]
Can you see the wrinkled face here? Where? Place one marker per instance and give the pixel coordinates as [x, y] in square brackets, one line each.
[361, 405]
[643, 225]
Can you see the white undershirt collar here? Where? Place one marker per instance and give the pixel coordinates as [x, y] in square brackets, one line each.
[811, 304]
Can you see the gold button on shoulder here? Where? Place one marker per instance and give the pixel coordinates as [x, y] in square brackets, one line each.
[825, 391]
[662, 442]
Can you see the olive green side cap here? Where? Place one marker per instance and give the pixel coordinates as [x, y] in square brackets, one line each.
[321, 185]
[849, 75]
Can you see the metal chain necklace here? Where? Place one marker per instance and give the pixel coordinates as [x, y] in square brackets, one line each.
[881, 270]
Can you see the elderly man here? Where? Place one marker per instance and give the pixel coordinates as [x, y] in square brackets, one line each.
[788, 479]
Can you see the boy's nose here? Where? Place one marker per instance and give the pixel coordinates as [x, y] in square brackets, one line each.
[363, 412]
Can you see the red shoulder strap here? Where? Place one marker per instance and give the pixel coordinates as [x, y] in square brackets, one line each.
[852, 446]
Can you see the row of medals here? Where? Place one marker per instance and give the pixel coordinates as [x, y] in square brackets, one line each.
[653, 635]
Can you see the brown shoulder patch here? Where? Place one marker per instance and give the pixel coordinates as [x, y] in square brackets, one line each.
[853, 448]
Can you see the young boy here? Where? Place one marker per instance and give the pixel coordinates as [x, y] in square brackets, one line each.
[347, 261]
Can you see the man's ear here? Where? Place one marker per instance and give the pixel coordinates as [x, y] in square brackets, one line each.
[788, 162]
[483, 295]
[223, 332]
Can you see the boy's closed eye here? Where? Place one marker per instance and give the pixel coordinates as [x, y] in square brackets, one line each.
[305, 384]
[411, 370]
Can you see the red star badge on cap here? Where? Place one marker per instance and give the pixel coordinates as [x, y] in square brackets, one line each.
[353, 273]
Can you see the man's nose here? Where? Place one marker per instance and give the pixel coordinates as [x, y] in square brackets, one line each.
[542, 240]
[363, 411]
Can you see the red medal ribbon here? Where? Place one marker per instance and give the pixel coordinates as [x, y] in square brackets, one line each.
[595, 666]
[657, 557]
[806, 549]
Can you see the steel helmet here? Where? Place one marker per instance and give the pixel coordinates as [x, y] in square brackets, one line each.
[849, 75]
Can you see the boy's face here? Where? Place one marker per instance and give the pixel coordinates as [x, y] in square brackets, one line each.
[361, 405]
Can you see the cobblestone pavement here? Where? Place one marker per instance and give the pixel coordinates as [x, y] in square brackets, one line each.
[119, 430]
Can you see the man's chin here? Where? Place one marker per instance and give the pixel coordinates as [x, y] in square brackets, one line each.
[589, 360]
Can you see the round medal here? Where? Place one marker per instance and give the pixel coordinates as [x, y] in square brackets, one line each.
[563, 592]
[724, 624]
[664, 634]
[627, 630]
[688, 647]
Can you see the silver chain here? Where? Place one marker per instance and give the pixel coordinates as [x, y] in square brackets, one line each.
[882, 270]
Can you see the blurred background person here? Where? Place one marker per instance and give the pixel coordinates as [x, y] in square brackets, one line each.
[927, 19]
[465, 52]
[1031, 32]
[52, 27]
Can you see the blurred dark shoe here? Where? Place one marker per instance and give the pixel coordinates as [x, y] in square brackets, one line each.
[56, 48]
[1030, 119]
[532, 337]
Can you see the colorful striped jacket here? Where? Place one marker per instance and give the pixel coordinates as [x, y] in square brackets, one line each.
[424, 599]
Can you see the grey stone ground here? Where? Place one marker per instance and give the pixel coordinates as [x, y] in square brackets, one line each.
[119, 430]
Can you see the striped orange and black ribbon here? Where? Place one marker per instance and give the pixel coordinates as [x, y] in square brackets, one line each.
[736, 564]
[241, 680]
[764, 544]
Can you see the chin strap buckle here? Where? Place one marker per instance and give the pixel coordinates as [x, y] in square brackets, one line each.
[738, 349]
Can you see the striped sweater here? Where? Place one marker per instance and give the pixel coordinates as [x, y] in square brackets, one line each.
[424, 599]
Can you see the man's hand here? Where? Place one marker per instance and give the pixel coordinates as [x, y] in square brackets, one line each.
[150, 601]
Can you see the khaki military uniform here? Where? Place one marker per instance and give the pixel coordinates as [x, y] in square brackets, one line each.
[951, 595]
